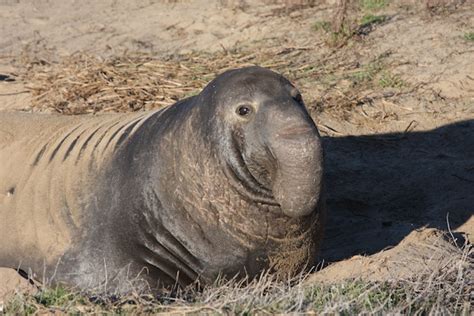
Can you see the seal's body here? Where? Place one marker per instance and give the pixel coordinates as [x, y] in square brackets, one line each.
[227, 182]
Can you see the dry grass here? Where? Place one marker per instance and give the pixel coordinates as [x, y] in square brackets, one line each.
[446, 290]
[85, 84]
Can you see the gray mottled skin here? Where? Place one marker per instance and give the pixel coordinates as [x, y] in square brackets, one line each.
[193, 190]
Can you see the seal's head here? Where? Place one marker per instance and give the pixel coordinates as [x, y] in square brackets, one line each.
[269, 144]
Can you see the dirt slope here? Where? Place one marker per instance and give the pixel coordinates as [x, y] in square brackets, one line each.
[395, 104]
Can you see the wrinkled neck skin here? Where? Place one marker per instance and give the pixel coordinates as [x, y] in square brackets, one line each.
[205, 211]
[248, 171]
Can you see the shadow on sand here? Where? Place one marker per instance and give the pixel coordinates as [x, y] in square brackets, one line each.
[382, 187]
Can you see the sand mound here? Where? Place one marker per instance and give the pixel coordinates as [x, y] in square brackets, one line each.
[422, 253]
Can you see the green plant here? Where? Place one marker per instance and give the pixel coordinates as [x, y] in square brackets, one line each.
[367, 73]
[390, 80]
[54, 296]
[469, 36]
[369, 19]
[373, 5]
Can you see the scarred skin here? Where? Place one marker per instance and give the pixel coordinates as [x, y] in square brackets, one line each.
[227, 182]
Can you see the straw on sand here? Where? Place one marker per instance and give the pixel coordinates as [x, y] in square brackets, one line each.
[87, 84]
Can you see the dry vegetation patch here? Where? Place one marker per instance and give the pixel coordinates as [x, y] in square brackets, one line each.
[445, 290]
[83, 83]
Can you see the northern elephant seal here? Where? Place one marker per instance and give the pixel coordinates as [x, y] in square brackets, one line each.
[223, 183]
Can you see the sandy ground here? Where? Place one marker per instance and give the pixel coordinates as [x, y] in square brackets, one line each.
[398, 164]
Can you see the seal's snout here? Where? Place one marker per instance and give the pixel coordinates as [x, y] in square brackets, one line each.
[296, 145]
[297, 185]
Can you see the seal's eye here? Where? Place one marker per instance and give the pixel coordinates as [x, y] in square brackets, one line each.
[298, 98]
[243, 110]
[296, 95]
